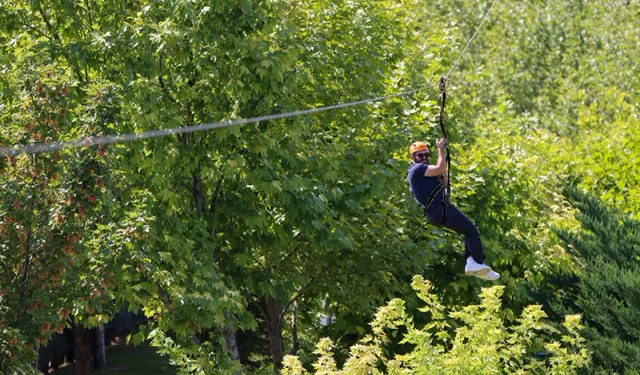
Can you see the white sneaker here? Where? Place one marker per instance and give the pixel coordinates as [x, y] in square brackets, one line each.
[491, 275]
[475, 269]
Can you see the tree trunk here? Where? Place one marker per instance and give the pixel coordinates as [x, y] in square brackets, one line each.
[231, 337]
[70, 355]
[197, 190]
[229, 332]
[294, 330]
[83, 350]
[101, 355]
[198, 194]
[37, 366]
[275, 335]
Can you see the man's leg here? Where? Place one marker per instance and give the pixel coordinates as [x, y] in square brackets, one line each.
[458, 222]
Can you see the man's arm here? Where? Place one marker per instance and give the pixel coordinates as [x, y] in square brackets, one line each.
[440, 168]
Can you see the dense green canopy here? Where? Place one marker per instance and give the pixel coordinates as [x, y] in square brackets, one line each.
[233, 242]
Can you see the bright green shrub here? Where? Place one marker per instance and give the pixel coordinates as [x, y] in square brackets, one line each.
[476, 339]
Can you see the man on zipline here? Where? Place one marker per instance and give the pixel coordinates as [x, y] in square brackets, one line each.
[427, 184]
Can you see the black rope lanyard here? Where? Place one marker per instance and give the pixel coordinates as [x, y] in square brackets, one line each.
[443, 96]
[447, 189]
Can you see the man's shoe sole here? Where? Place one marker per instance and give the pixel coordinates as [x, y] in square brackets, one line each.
[482, 278]
[481, 272]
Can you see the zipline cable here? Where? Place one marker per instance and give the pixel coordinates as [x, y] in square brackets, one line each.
[93, 141]
[443, 98]
[470, 40]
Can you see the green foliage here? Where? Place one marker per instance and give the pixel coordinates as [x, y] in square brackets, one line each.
[545, 93]
[221, 231]
[192, 228]
[484, 341]
[605, 290]
[51, 203]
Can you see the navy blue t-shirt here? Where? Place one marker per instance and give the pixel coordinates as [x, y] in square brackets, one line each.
[421, 186]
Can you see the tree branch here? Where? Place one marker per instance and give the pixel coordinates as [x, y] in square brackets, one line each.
[252, 300]
[299, 294]
[164, 297]
[56, 36]
[287, 255]
[198, 194]
[264, 266]
[33, 29]
[89, 14]
[163, 86]
[214, 197]
[25, 265]
[161, 81]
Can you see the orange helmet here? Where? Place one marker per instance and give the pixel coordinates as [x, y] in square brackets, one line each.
[418, 146]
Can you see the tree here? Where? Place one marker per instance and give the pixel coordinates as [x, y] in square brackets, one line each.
[50, 205]
[70, 238]
[605, 290]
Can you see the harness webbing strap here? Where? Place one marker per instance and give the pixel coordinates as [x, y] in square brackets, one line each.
[443, 99]
[432, 196]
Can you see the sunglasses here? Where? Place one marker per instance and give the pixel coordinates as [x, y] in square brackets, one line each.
[423, 155]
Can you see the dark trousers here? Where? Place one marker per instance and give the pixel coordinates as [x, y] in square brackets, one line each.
[458, 222]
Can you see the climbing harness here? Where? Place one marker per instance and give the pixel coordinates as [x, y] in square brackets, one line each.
[432, 196]
[447, 188]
